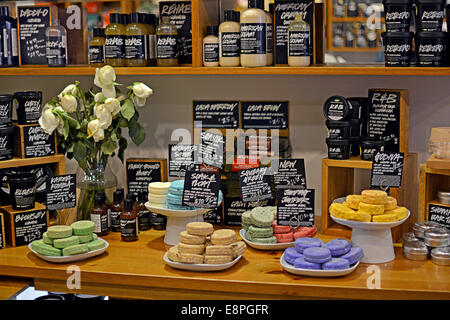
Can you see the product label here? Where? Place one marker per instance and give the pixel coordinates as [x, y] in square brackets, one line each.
[298, 43]
[230, 44]
[158, 219]
[6, 147]
[336, 153]
[114, 218]
[144, 218]
[430, 19]
[140, 174]
[255, 184]
[166, 46]
[439, 214]
[182, 157]
[265, 115]
[269, 35]
[253, 38]
[136, 47]
[430, 54]
[56, 47]
[129, 228]
[5, 113]
[151, 42]
[96, 54]
[295, 207]
[37, 143]
[114, 47]
[216, 114]
[211, 149]
[290, 173]
[100, 222]
[61, 192]
[211, 52]
[29, 226]
[387, 170]
[397, 19]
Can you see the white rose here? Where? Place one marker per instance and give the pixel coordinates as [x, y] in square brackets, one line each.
[142, 91]
[112, 105]
[70, 89]
[140, 102]
[109, 91]
[69, 103]
[60, 126]
[103, 115]
[98, 97]
[104, 76]
[48, 121]
[95, 131]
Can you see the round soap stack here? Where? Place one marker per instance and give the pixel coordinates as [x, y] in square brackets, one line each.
[199, 243]
[70, 240]
[370, 206]
[175, 196]
[313, 253]
[157, 194]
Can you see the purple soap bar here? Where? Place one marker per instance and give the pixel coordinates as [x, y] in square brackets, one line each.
[354, 255]
[290, 254]
[301, 263]
[317, 255]
[336, 264]
[338, 247]
[307, 242]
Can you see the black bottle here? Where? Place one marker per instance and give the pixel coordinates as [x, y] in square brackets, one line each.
[144, 220]
[9, 55]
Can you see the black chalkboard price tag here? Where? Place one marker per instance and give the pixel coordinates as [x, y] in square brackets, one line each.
[295, 207]
[439, 213]
[61, 192]
[201, 189]
[289, 173]
[181, 158]
[211, 149]
[265, 115]
[142, 172]
[36, 143]
[255, 184]
[387, 170]
[216, 114]
[33, 21]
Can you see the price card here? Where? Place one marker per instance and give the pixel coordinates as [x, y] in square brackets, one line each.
[216, 114]
[211, 149]
[295, 207]
[290, 173]
[29, 226]
[61, 192]
[181, 158]
[201, 189]
[141, 173]
[255, 184]
[265, 115]
[387, 170]
[439, 214]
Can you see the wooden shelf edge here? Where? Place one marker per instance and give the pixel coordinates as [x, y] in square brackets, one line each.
[353, 162]
[19, 162]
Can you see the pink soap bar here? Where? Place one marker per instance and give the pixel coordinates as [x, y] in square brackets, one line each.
[284, 237]
[280, 229]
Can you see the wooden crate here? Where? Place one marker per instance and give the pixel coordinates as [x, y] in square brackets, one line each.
[338, 181]
[27, 147]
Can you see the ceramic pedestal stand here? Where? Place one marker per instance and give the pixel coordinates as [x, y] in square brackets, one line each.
[177, 220]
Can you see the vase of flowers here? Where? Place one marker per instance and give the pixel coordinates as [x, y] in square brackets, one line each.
[89, 128]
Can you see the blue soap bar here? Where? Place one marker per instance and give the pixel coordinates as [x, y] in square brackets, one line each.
[307, 242]
[336, 264]
[301, 263]
[338, 247]
[354, 255]
[317, 254]
[290, 254]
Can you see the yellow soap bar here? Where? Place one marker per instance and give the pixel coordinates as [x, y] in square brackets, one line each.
[338, 210]
[353, 201]
[374, 196]
[372, 209]
[400, 212]
[388, 217]
[358, 216]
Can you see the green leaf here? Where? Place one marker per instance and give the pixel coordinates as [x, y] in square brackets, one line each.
[123, 123]
[123, 143]
[137, 133]
[66, 129]
[108, 147]
[127, 109]
[79, 152]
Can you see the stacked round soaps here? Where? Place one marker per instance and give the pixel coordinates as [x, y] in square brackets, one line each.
[175, 196]
[70, 240]
[199, 243]
[157, 193]
[313, 253]
[370, 206]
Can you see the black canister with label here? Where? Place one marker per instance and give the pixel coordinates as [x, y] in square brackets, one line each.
[6, 143]
[22, 188]
[337, 108]
[431, 48]
[397, 48]
[6, 105]
[370, 147]
[397, 14]
[429, 15]
[28, 106]
[338, 129]
[338, 149]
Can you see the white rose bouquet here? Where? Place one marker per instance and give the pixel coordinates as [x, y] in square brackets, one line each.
[89, 125]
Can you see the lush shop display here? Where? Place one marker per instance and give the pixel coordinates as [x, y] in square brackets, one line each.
[89, 127]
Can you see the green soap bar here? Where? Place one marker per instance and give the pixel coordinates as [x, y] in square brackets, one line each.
[47, 239]
[96, 244]
[261, 217]
[47, 250]
[94, 237]
[272, 239]
[83, 227]
[76, 249]
[246, 218]
[59, 232]
[66, 242]
[245, 226]
[257, 232]
[86, 238]
[248, 236]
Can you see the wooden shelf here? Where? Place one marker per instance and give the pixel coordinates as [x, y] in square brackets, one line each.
[352, 19]
[337, 70]
[18, 162]
[353, 162]
[355, 49]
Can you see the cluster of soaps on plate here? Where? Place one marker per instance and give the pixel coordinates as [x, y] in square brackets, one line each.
[313, 253]
[370, 206]
[200, 244]
[71, 240]
[260, 226]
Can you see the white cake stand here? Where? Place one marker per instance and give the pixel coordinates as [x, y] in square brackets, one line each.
[375, 238]
[177, 220]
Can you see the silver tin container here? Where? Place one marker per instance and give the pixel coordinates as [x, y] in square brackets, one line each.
[422, 226]
[415, 250]
[441, 256]
[408, 237]
[444, 197]
[437, 237]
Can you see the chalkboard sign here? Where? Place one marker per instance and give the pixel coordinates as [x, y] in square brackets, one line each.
[255, 184]
[214, 216]
[216, 114]
[265, 115]
[62, 192]
[289, 173]
[33, 21]
[235, 207]
[295, 207]
[141, 172]
[284, 14]
[384, 118]
[387, 169]
[211, 149]
[37, 143]
[179, 13]
[201, 189]
[439, 214]
[181, 158]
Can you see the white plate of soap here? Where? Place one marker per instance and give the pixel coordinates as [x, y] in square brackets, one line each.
[200, 267]
[266, 246]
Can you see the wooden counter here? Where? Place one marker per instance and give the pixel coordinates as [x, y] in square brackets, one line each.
[136, 270]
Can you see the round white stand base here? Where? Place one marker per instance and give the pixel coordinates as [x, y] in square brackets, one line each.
[376, 244]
